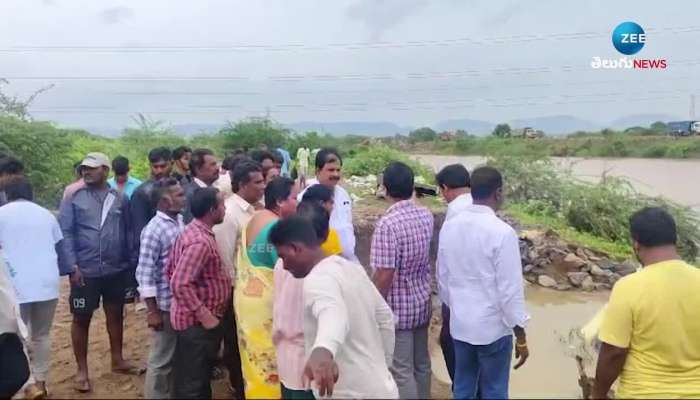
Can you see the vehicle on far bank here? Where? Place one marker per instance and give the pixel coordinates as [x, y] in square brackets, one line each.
[527, 133]
[683, 128]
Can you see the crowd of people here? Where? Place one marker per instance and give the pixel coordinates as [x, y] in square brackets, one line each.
[238, 264]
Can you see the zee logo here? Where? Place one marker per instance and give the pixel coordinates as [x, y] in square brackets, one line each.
[629, 38]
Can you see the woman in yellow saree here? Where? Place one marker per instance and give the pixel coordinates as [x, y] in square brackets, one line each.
[253, 294]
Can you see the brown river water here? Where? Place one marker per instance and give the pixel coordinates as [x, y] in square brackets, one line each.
[677, 180]
[550, 372]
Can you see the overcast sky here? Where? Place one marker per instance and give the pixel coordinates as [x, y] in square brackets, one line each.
[412, 62]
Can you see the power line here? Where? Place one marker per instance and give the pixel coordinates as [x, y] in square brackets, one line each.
[396, 106]
[463, 41]
[466, 73]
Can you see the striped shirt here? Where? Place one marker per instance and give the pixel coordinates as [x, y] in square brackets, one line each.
[401, 241]
[157, 239]
[196, 277]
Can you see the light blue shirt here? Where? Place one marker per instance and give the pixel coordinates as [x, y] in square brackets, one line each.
[130, 186]
[28, 237]
[286, 160]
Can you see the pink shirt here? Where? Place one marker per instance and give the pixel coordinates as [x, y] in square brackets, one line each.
[72, 188]
[288, 328]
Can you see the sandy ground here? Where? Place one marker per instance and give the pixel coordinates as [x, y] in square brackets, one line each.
[106, 384]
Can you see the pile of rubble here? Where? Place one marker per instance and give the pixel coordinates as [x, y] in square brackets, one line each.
[550, 262]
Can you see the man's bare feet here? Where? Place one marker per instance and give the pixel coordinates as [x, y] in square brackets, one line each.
[82, 383]
[126, 368]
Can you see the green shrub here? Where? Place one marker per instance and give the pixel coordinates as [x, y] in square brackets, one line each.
[373, 160]
[602, 209]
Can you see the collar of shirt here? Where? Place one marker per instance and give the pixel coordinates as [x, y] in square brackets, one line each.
[242, 203]
[462, 197]
[202, 227]
[200, 182]
[166, 217]
[477, 208]
[399, 205]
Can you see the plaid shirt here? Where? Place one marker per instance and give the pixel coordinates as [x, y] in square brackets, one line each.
[401, 241]
[196, 277]
[157, 239]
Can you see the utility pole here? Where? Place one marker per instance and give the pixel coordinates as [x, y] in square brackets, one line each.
[692, 107]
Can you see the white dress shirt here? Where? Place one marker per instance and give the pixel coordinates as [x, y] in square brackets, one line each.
[345, 314]
[341, 219]
[480, 276]
[228, 233]
[458, 204]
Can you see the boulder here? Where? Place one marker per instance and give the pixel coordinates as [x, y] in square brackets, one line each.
[597, 271]
[546, 281]
[604, 263]
[528, 268]
[613, 278]
[563, 287]
[587, 284]
[574, 260]
[577, 278]
[625, 268]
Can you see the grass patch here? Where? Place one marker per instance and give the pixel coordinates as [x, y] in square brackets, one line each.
[617, 251]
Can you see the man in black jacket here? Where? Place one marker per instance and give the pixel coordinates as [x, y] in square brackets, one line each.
[142, 208]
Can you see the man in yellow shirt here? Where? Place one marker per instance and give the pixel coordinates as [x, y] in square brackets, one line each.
[650, 333]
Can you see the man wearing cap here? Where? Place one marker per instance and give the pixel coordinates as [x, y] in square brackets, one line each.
[95, 224]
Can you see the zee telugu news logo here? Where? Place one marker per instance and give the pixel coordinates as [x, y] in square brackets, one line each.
[629, 39]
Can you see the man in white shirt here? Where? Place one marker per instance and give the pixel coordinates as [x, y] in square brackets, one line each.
[328, 172]
[31, 239]
[480, 280]
[348, 327]
[454, 183]
[248, 185]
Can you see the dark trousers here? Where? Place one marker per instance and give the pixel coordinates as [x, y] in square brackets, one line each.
[195, 357]
[14, 367]
[446, 343]
[291, 394]
[232, 356]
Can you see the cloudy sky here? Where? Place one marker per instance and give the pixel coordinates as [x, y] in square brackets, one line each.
[412, 62]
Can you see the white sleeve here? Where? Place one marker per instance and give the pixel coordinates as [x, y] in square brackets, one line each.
[322, 295]
[226, 235]
[386, 323]
[442, 268]
[509, 282]
[56, 230]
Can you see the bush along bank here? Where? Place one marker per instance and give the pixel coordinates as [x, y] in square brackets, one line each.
[598, 210]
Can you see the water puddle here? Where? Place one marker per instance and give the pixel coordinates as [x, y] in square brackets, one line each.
[549, 373]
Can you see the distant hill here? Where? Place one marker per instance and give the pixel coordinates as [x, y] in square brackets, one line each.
[641, 120]
[472, 126]
[195, 129]
[556, 124]
[379, 128]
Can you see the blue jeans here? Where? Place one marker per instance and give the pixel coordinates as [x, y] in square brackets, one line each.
[484, 369]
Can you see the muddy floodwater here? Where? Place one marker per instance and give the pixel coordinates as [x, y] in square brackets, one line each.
[676, 180]
[549, 372]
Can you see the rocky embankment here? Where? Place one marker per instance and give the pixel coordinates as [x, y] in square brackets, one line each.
[551, 262]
